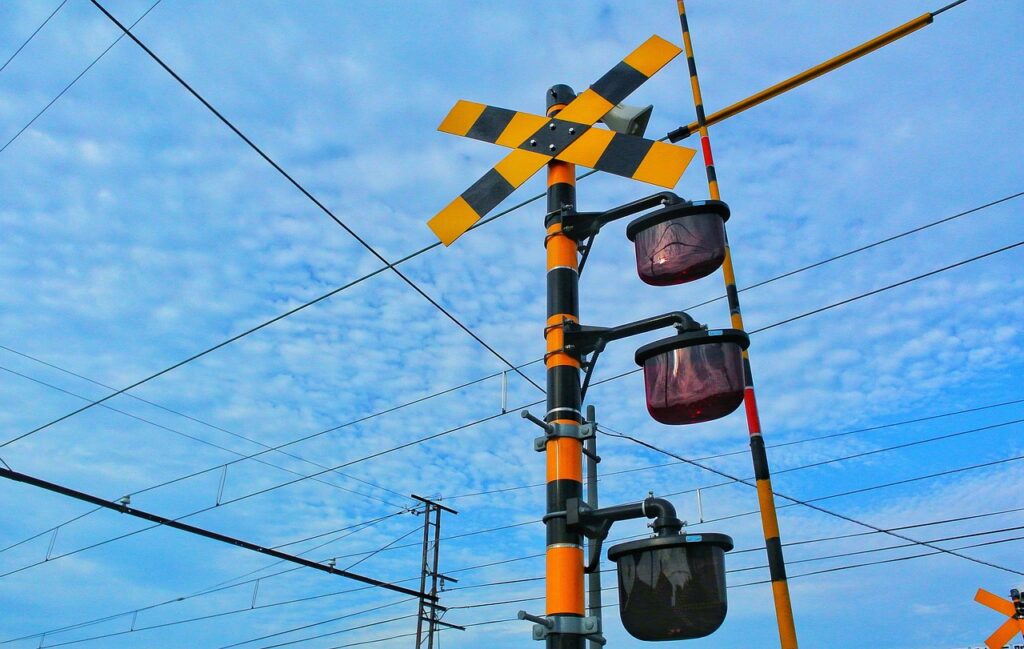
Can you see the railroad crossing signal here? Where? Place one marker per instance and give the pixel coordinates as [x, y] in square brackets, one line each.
[1013, 608]
[538, 140]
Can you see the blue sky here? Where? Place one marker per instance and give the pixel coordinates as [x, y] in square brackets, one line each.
[138, 230]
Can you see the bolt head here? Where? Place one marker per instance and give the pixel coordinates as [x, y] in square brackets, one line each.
[533, 142]
[572, 131]
[551, 126]
[552, 147]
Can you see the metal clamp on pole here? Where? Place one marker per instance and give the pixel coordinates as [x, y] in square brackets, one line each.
[588, 627]
[581, 432]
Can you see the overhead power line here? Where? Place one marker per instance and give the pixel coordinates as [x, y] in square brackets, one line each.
[716, 456]
[218, 446]
[107, 618]
[501, 414]
[475, 381]
[216, 588]
[810, 505]
[387, 264]
[32, 35]
[177, 524]
[73, 81]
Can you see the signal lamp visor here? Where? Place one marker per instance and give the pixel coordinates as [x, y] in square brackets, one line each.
[679, 243]
[694, 377]
[672, 587]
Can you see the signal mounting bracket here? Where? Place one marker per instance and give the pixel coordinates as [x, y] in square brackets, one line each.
[581, 432]
[588, 627]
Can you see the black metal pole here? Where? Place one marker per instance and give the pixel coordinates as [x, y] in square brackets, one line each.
[564, 554]
[423, 574]
[433, 576]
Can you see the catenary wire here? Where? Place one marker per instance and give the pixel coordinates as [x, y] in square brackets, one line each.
[219, 587]
[796, 501]
[74, 81]
[187, 416]
[806, 466]
[745, 451]
[32, 35]
[212, 444]
[463, 569]
[493, 375]
[389, 265]
[840, 555]
[392, 266]
[497, 415]
[500, 414]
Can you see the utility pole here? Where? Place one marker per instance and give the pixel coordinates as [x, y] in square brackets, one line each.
[564, 553]
[429, 610]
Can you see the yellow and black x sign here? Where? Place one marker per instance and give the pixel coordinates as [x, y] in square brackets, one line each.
[536, 140]
[1012, 608]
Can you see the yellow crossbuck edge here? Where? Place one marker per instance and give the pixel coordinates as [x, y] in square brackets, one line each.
[537, 140]
[1011, 609]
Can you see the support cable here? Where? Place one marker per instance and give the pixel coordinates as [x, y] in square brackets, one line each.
[182, 415]
[32, 35]
[796, 501]
[463, 569]
[388, 265]
[716, 456]
[185, 527]
[74, 81]
[500, 414]
[216, 588]
[490, 376]
[215, 445]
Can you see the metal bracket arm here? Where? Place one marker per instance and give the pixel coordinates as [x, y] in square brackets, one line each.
[596, 523]
[588, 627]
[581, 225]
[581, 432]
[580, 340]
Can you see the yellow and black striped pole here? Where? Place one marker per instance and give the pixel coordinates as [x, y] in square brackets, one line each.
[564, 554]
[765, 496]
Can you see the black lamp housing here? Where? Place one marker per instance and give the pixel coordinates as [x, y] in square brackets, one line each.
[694, 377]
[672, 587]
[680, 242]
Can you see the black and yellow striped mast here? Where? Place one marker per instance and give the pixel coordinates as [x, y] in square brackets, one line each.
[765, 496]
[564, 552]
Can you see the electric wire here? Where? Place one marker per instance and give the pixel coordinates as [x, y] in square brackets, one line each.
[495, 416]
[840, 555]
[889, 286]
[745, 450]
[213, 444]
[796, 501]
[463, 569]
[387, 264]
[754, 583]
[483, 222]
[74, 81]
[220, 587]
[185, 415]
[392, 266]
[32, 35]
[749, 513]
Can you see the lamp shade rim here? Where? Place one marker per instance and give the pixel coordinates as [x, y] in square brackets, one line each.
[691, 339]
[676, 210]
[724, 541]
